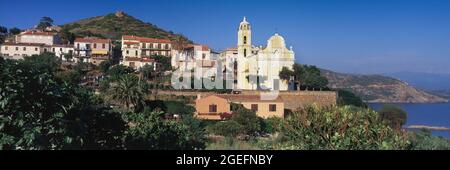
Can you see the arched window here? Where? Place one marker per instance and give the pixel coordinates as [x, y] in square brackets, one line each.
[245, 39]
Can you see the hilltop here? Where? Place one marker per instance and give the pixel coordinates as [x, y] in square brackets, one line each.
[380, 89]
[114, 25]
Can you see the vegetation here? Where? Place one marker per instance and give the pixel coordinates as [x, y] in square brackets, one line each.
[115, 25]
[346, 97]
[338, 128]
[165, 62]
[423, 140]
[305, 77]
[44, 23]
[394, 115]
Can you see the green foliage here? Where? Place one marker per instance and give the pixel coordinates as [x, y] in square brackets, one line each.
[67, 37]
[422, 140]
[119, 70]
[305, 77]
[250, 122]
[271, 125]
[228, 128]
[3, 33]
[106, 65]
[394, 115]
[335, 128]
[147, 72]
[44, 23]
[14, 31]
[346, 97]
[129, 91]
[149, 131]
[165, 62]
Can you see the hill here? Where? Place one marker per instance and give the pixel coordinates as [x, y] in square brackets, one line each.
[114, 25]
[380, 89]
[426, 81]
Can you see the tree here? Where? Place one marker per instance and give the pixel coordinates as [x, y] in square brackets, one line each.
[14, 31]
[164, 61]
[3, 32]
[147, 71]
[105, 66]
[395, 116]
[128, 91]
[247, 118]
[118, 70]
[305, 76]
[44, 23]
[338, 128]
[286, 74]
[149, 131]
[67, 37]
[346, 97]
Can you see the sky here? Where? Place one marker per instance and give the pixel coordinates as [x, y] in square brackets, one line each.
[351, 36]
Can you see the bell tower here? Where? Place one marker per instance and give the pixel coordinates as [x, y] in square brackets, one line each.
[244, 39]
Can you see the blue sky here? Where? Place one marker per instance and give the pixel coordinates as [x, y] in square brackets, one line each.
[354, 36]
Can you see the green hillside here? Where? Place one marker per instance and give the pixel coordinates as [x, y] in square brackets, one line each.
[114, 25]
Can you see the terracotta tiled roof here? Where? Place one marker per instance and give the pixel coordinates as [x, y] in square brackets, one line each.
[247, 98]
[38, 33]
[145, 39]
[62, 45]
[22, 44]
[130, 43]
[93, 40]
[143, 59]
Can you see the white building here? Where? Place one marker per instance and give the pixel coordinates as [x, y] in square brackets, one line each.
[258, 68]
[61, 51]
[137, 51]
[92, 50]
[47, 38]
[21, 50]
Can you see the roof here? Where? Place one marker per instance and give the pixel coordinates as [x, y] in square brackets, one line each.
[62, 45]
[130, 43]
[247, 98]
[145, 39]
[38, 33]
[22, 44]
[93, 40]
[143, 59]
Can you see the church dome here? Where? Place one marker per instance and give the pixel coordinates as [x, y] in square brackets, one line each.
[276, 41]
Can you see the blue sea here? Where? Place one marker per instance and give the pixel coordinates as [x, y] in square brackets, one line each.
[430, 114]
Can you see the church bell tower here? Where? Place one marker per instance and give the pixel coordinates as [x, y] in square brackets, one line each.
[244, 39]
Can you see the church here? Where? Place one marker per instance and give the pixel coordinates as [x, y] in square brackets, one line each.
[258, 68]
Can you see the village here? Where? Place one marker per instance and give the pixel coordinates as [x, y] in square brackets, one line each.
[249, 71]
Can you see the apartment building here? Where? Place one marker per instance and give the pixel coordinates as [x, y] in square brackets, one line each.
[136, 51]
[213, 106]
[21, 50]
[31, 36]
[62, 51]
[92, 50]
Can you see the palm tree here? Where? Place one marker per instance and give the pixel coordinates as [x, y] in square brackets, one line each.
[146, 71]
[128, 91]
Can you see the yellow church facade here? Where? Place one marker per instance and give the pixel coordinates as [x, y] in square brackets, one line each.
[258, 68]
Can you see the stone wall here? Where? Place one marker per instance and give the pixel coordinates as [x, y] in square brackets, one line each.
[293, 100]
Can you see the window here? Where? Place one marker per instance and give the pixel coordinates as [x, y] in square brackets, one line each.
[6, 48]
[255, 107]
[35, 49]
[128, 52]
[103, 46]
[273, 107]
[128, 46]
[159, 46]
[60, 49]
[167, 46]
[24, 48]
[143, 45]
[95, 45]
[203, 56]
[136, 53]
[53, 49]
[78, 46]
[213, 108]
[245, 39]
[45, 50]
[245, 52]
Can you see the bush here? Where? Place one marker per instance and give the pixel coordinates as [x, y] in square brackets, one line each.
[348, 98]
[228, 128]
[423, 140]
[395, 116]
[334, 128]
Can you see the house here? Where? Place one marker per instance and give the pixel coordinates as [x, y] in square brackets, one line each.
[21, 50]
[32, 36]
[92, 50]
[136, 51]
[61, 51]
[213, 106]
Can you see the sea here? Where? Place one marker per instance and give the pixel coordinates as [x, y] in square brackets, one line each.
[429, 114]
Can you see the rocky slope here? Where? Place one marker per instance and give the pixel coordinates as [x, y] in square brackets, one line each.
[380, 89]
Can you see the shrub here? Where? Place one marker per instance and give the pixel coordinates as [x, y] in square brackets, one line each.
[334, 128]
[423, 140]
[395, 116]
